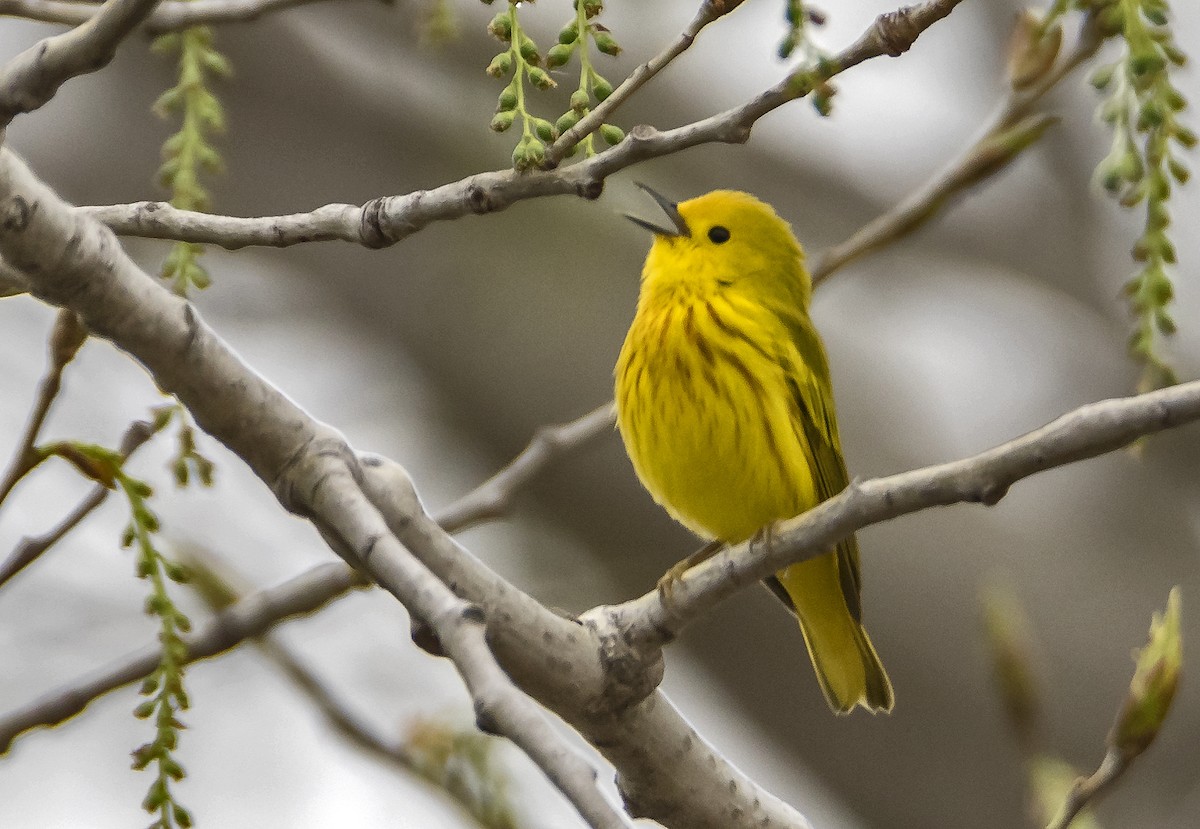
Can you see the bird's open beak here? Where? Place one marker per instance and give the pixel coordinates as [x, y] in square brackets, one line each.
[670, 208]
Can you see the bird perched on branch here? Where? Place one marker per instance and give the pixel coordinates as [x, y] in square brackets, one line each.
[725, 405]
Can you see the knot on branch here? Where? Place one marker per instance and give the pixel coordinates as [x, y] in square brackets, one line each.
[17, 214]
[897, 31]
[372, 230]
[482, 200]
[590, 189]
[631, 673]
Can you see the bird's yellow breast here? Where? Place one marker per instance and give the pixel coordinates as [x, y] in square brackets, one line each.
[708, 417]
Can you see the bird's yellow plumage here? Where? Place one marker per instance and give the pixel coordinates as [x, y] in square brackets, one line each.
[725, 405]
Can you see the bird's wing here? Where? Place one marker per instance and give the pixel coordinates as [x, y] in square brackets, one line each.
[812, 393]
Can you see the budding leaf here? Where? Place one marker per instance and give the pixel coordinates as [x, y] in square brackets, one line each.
[1153, 686]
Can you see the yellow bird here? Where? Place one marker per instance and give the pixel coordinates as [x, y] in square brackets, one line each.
[725, 404]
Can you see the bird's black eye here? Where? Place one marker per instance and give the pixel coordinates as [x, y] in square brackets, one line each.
[718, 235]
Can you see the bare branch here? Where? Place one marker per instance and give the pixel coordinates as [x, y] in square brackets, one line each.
[170, 15]
[33, 77]
[66, 338]
[1087, 432]
[493, 497]
[249, 618]
[297, 596]
[1011, 130]
[29, 549]
[387, 220]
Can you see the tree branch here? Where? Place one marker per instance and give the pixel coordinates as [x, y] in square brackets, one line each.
[33, 77]
[387, 220]
[1013, 128]
[1087, 432]
[302, 594]
[169, 16]
[667, 770]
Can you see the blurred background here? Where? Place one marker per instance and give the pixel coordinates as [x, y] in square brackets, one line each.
[447, 351]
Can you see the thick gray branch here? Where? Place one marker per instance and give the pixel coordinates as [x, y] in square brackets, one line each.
[667, 771]
[33, 77]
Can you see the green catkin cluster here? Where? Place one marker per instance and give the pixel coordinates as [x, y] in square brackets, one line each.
[522, 62]
[189, 152]
[163, 689]
[1142, 107]
[816, 65]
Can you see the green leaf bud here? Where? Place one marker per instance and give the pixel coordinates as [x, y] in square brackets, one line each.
[591, 8]
[566, 121]
[540, 79]
[569, 33]
[612, 134]
[604, 41]
[502, 120]
[500, 66]
[558, 55]
[1146, 62]
[788, 45]
[529, 52]
[544, 129]
[1103, 76]
[501, 27]
[1152, 689]
[579, 101]
[601, 88]
[507, 99]
[144, 710]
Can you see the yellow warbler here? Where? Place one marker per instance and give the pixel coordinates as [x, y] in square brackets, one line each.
[725, 405]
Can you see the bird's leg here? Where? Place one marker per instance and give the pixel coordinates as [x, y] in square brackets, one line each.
[667, 583]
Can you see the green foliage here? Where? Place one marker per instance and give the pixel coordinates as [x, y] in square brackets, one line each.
[163, 689]
[1142, 108]
[816, 65]
[189, 152]
[522, 61]
[188, 460]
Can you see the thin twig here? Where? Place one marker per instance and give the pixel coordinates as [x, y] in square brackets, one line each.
[386, 220]
[249, 618]
[493, 497]
[29, 549]
[1088, 789]
[985, 157]
[708, 12]
[66, 337]
[33, 77]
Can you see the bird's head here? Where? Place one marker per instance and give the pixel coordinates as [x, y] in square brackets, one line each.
[725, 240]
